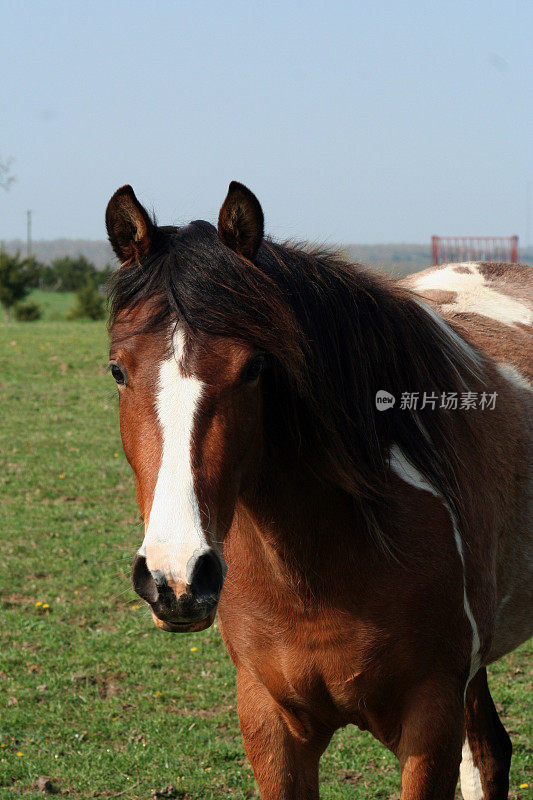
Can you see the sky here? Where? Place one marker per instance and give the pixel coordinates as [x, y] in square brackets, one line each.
[351, 121]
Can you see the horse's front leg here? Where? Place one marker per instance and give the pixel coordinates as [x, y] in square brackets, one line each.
[283, 753]
[430, 744]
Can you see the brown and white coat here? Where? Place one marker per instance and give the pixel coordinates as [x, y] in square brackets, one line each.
[376, 561]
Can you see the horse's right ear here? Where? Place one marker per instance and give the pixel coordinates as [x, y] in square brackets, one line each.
[128, 224]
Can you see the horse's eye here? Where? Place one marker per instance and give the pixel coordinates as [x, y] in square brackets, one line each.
[118, 375]
[252, 370]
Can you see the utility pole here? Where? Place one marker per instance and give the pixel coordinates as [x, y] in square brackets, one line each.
[28, 233]
[528, 212]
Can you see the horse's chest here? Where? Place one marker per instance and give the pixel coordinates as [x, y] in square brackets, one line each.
[324, 685]
[324, 675]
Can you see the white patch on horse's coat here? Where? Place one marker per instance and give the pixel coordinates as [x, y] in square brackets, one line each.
[466, 354]
[513, 375]
[409, 474]
[471, 787]
[474, 294]
[174, 532]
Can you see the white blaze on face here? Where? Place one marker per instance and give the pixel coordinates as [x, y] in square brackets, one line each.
[174, 532]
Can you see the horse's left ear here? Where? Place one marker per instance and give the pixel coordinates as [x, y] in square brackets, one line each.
[241, 221]
[128, 224]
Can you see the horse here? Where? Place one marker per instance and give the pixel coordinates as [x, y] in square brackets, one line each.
[340, 463]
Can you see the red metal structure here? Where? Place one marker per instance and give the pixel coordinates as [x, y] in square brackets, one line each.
[453, 249]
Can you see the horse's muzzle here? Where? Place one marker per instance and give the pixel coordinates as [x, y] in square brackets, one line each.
[180, 607]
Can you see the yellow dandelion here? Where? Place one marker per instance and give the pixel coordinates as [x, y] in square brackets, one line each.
[194, 649]
[524, 785]
[20, 754]
[115, 719]
[45, 605]
[38, 603]
[62, 476]
[115, 455]
[158, 694]
[2, 745]
[134, 607]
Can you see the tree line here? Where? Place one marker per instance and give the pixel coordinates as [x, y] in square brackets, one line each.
[19, 276]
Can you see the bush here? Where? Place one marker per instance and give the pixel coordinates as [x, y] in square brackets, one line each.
[28, 312]
[17, 277]
[89, 304]
[70, 274]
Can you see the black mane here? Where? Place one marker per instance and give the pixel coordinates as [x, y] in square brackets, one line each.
[335, 335]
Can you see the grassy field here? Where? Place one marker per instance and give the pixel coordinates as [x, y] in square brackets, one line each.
[54, 305]
[91, 694]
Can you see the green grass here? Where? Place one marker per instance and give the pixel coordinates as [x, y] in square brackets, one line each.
[54, 305]
[91, 694]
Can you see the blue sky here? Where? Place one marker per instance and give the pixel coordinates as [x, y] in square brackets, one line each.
[352, 122]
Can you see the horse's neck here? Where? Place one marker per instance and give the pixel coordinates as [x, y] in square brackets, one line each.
[302, 528]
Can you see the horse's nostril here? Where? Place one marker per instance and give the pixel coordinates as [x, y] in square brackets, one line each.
[175, 603]
[142, 580]
[207, 578]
